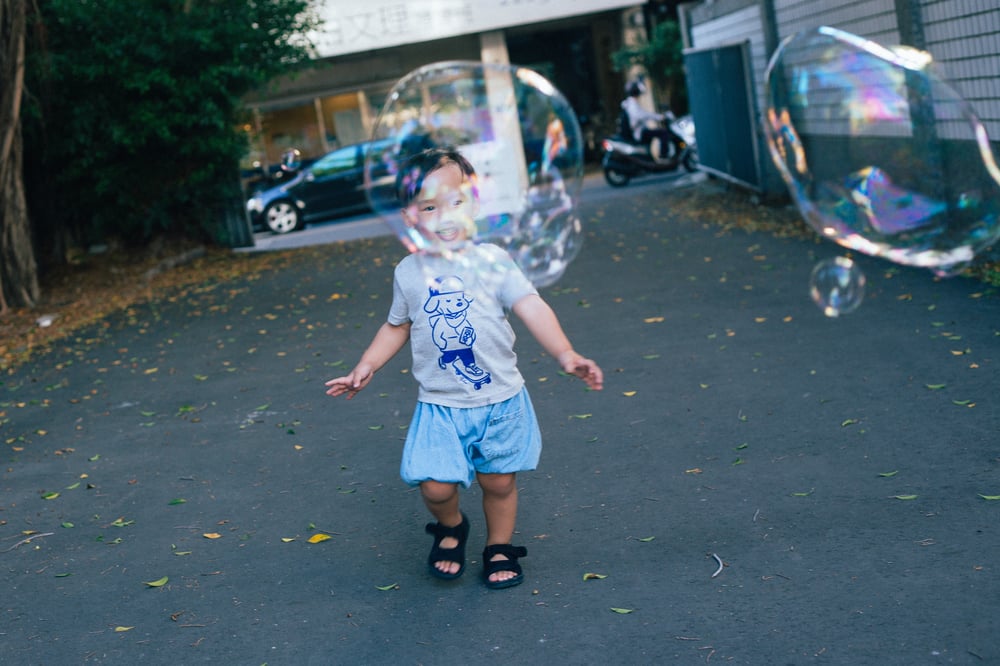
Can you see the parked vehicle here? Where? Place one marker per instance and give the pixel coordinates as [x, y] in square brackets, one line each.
[332, 186]
[625, 158]
[258, 178]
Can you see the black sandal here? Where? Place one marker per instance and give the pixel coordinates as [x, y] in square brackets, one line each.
[491, 567]
[456, 554]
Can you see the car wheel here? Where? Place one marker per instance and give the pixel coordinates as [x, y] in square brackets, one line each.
[282, 217]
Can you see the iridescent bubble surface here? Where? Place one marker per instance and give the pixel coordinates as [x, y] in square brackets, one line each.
[879, 151]
[837, 286]
[521, 136]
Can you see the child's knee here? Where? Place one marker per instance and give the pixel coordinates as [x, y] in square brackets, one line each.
[437, 492]
[498, 484]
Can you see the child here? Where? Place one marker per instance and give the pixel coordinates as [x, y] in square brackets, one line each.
[474, 419]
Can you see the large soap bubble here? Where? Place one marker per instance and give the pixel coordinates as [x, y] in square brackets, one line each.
[879, 152]
[522, 138]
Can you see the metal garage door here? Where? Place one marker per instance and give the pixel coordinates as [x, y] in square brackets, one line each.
[720, 90]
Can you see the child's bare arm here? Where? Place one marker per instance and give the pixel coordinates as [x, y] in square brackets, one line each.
[387, 341]
[542, 322]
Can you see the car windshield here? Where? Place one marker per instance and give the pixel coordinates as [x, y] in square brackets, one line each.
[339, 160]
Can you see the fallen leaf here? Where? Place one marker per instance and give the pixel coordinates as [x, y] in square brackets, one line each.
[622, 611]
[653, 320]
[176, 501]
[50, 496]
[287, 539]
[693, 470]
[319, 538]
[212, 535]
[580, 416]
[848, 422]
[594, 576]
[121, 629]
[158, 583]
[991, 498]
[905, 497]
[629, 394]
[646, 539]
[386, 588]
[181, 553]
[886, 475]
[935, 387]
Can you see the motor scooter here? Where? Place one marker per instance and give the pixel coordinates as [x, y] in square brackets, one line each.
[625, 158]
[260, 178]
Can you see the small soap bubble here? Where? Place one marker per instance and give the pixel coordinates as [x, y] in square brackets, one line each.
[837, 286]
[521, 136]
[879, 151]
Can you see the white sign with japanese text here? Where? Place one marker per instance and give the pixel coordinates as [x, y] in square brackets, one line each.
[351, 26]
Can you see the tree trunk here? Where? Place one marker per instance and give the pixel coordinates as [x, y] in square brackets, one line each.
[18, 269]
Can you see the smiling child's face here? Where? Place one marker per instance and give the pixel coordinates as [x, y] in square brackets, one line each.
[444, 212]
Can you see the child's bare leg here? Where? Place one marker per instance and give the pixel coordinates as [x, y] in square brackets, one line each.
[500, 507]
[441, 500]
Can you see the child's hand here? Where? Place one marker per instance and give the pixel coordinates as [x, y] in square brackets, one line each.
[350, 384]
[587, 370]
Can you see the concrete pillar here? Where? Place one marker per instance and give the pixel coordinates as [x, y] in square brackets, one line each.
[506, 171]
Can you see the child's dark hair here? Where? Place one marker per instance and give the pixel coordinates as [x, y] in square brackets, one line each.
[416, 168]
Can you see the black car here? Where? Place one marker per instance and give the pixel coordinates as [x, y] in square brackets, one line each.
[332, 186]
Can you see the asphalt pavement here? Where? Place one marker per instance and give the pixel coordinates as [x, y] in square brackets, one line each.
[757, 484]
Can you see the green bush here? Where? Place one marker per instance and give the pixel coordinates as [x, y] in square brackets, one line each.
[134, 107]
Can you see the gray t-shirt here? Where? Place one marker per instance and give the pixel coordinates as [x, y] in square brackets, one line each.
[461, 341]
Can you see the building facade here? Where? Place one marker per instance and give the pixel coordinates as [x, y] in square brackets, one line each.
[365, 48]
[963, 36]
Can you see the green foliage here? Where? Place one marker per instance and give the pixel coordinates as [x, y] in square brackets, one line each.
[662, 58]
[132, 128]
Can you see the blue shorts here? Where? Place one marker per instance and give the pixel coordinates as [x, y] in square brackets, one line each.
[452, 444]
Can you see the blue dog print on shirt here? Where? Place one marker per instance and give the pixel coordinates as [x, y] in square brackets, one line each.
[451, 331]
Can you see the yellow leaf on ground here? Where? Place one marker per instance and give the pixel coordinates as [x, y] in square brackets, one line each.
[158, 583]
[319, 538]
[212, 535]
[629, 394]
[120, 629]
